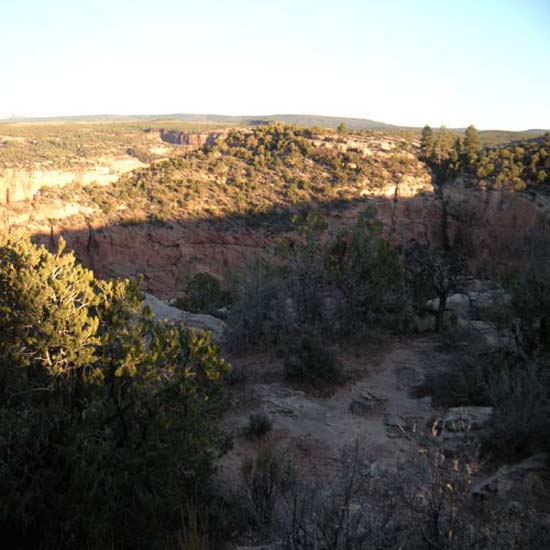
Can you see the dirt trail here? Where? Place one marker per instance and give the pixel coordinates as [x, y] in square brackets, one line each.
[377, 408]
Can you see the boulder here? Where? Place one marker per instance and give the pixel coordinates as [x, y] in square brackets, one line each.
[467, 304]
[193, 139]
[461, 427]
[491, 336]
[489, 298]
[426, 321]
[164, 312]
[463, 419]
[457, 303]
[363, 404]
[519, 476]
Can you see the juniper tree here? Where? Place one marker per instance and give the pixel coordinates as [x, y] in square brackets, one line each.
[106, 417]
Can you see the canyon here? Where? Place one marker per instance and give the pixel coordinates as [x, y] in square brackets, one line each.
[262, 192]
[492, 222]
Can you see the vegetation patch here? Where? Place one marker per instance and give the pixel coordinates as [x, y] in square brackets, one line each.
[251, 174]
[203, 294]
[307, 360]
[102, 408]
[259, 425]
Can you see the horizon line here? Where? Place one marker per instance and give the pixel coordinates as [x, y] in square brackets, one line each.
[166, 116]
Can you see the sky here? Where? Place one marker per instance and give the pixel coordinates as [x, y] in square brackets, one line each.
[406, 62]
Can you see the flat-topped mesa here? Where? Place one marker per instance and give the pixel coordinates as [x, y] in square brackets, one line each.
[192, 139]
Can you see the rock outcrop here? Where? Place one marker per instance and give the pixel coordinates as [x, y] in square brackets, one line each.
[520, 478]
[461, 426]
[494, 222]
[164, 254]
[164, 312]
[192, 139]
[465, 419]
[21, 184]
[466, 303]
[408, 209]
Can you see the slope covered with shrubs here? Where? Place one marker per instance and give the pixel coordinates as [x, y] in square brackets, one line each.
[516, 165]
[258, 173]
[316, 293]
[106, 417]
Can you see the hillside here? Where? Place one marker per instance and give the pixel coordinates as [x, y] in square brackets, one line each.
[58, 144]
[302, 120]
[250, 173]
[188, 209]
[313, 259]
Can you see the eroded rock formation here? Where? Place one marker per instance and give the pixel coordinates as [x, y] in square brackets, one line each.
[165, 255]
[495, 225]
[198, 321]
[492, 223]
[21, 184]
[193, 139]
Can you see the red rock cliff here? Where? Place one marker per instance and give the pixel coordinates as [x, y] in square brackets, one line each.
[493, 223]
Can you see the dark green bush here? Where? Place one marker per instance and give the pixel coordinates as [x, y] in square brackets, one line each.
[203, 294]
[425, 504]
[520, 423]
[518, 391]
[335, 289]
[259, 425]
[531, 298]
[461, 382]
[236, 375]
[306, 359]
[258, 315]
[367, 275]
[267, 477]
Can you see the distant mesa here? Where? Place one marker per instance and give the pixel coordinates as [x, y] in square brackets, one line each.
[193, 139]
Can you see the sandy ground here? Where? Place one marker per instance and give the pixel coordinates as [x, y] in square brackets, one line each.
[377, 407]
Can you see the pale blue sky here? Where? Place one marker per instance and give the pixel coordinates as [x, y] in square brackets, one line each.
[413, 62]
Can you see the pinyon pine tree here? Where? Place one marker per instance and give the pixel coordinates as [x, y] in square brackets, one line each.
[471, 145]
[426, 142]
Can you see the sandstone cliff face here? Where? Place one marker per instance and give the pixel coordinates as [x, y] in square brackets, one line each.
[168, 253]
[20, 184]
[493, 223]
[165, 255]
[365, 145]
[496, 224]
[410, 211]
[193, 139]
